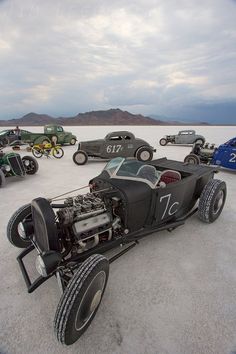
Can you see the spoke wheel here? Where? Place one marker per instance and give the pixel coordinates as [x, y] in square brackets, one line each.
[30, 164]
[37, 152]
[58, 153]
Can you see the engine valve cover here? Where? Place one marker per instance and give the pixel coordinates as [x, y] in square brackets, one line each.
[81, 228]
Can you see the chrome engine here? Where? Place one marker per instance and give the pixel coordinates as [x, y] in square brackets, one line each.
[88, 219]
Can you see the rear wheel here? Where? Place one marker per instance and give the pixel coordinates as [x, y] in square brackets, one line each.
[31, 165]
[80, 157]
[192, 159]
[212, 200]
[58, 153]
[2, 179]
[144, 154]
[163, 142]
[15, 231]
[81, 299]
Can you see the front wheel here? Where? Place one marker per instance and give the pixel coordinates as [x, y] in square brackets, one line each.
[163, 142]
[15, 231]
[144, 154]
[58, 153]
[30, 164]
[80, 157]
[2, 179]
[192, 159]
[212, 200]
[37, 152]
[81, 299]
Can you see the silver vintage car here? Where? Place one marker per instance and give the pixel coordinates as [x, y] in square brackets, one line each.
[183, 137]
[115, 144]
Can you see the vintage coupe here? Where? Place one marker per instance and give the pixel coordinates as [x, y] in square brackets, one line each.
[127, 201]
[11, 164]
[120, 143]
[224, 155]
[183, 137]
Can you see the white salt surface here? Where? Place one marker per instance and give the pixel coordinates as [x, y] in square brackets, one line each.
[174, 293]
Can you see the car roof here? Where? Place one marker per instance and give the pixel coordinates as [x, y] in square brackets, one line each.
[120, 132]
[187, 131]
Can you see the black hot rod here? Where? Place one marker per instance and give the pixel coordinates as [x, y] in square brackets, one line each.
[127, 201]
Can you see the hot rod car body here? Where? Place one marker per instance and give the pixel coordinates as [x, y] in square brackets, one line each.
[224, 155]
[11, 164]
[127, 201]
[120, 143]
[183, 137]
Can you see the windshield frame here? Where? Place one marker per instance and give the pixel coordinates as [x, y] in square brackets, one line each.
[114, 173]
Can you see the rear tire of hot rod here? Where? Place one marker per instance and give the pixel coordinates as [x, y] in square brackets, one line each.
[80, 157]
[31, 165]
[81, 299]
[144, 154]
[2, 179]
[212, 200]
[163, 142]
[14, 227]
[192, 159]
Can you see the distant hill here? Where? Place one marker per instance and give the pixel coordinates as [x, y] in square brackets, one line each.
[108, 117]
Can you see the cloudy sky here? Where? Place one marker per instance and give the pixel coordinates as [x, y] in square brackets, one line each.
[166, 57]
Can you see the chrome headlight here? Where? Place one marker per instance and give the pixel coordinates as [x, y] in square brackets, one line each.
[47, 262]
[40, 266]
[7, 168]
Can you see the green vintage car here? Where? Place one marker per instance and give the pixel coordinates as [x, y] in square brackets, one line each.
[51, 133]
[11, 164]
[57, 134]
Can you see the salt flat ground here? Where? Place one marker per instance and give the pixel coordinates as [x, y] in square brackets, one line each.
[175, 293]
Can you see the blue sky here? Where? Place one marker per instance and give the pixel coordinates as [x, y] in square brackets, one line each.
[167, 58]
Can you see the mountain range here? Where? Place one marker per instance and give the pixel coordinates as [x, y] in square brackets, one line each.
[108, 117]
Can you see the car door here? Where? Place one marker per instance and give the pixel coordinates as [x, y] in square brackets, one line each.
[60, 134]
[182, 137]
[113, 146]
[225, 155]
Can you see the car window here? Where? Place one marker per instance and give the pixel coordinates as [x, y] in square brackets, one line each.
[127, 137]
[3, 132]
[59, 129]
[49, 129]
[115, 138]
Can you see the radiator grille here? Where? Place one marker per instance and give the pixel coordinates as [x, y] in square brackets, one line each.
[16, 165]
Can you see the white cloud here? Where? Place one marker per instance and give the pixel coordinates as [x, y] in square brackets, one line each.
[69, 56]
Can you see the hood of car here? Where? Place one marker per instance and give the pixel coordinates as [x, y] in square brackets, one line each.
[91, 142]
[92, 146]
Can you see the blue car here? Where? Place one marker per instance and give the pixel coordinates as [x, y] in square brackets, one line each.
[224, 155]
